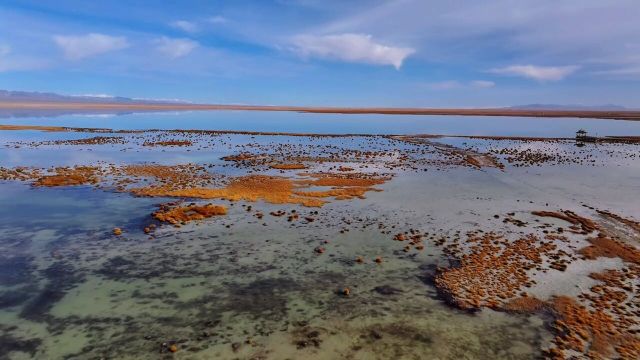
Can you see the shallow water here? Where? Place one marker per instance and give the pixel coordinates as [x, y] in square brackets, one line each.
[237, 286]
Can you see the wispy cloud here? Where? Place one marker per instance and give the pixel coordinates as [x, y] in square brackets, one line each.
[351, 48]
[455, 84]
[539, 73]
[184, 25]
[217, 19]
[175, 48]
[76, 47]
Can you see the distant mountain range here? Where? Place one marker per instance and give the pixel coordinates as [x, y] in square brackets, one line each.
[30, 96]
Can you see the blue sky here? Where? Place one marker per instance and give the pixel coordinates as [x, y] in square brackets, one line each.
[464, 53]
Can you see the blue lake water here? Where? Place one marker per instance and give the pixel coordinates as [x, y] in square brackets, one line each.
[339, 123]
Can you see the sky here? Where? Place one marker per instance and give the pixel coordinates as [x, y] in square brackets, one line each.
[422, 53]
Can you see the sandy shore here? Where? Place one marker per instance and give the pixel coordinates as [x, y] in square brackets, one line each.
[612, 115]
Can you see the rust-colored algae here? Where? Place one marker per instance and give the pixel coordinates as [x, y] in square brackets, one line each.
[605, 246]
[635, 225]
[587, 225]
[81, 175]
[272, 189]
[599, 323]
[289, 166]
[184, 214]
[524, 304]
[492, 272]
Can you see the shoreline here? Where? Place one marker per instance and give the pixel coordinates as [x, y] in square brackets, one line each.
[629, 115]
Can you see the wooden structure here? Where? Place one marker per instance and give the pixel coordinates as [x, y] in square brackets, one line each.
[582, 137]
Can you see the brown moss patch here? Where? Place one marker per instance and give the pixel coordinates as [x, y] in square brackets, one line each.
[605, 246]
[272, 189]
[492, 272]
[524, 304]
[586, 225]
[635, 225]
[81, 175]
[289, 166]
[184, 214]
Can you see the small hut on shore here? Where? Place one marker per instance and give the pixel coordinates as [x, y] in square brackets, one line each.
[582, 136]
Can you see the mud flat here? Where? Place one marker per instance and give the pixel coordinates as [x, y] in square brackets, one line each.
[273, 245]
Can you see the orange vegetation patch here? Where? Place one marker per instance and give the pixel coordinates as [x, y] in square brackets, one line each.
[586, 225]
[184, 214]
[592, 332]
[19, 174]
[272, 189]
[288, 166]
[524, 304]
[168, 143]
[493, 271]
[605, 246]
[80, 175]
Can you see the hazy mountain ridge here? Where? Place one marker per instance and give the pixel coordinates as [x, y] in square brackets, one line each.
[34, 96]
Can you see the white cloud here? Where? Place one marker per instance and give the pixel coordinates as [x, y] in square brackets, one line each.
[351, 48]
[185, 25]
[483, 84]
[76, 47]
[217, 19]
[175, 48]
[540, 73]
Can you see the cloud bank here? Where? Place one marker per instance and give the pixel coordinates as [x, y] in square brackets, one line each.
[357, 48]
